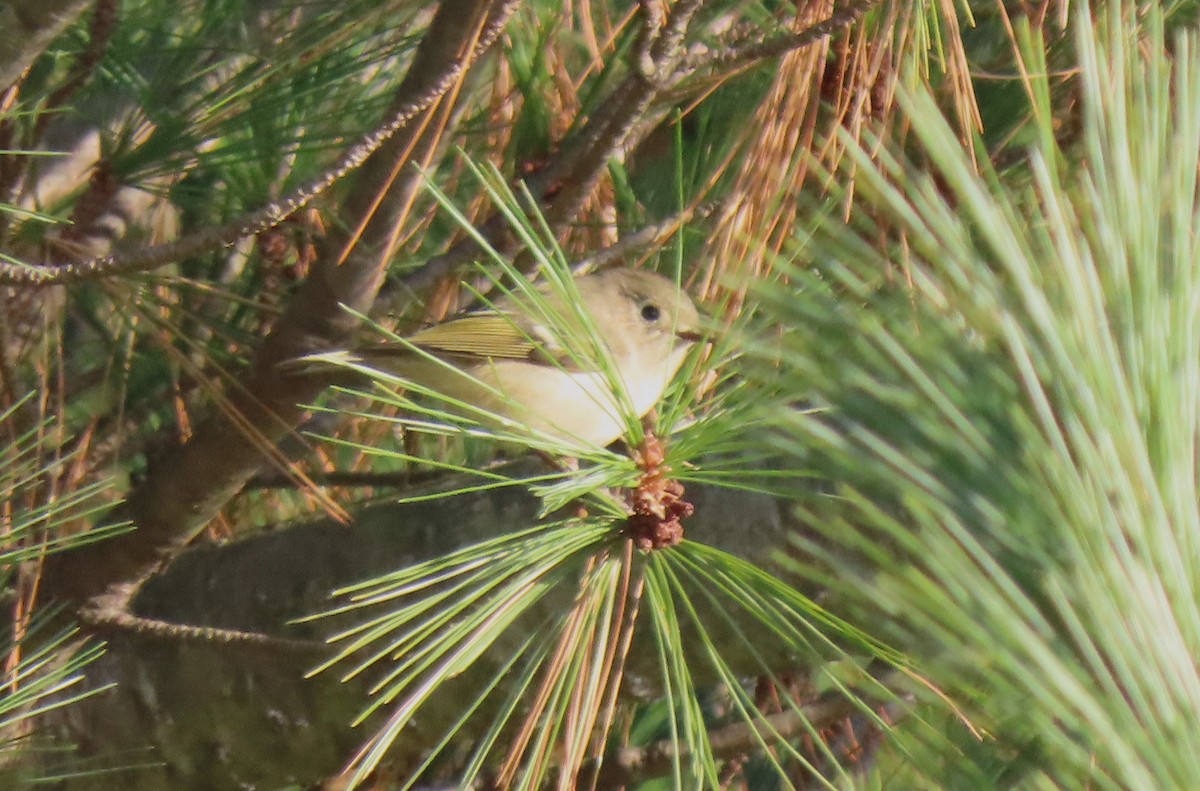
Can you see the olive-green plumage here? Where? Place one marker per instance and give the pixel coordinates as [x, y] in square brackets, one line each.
[520, 372]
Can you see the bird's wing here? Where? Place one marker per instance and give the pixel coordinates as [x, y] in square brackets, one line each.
[490, 335]
[495, 336]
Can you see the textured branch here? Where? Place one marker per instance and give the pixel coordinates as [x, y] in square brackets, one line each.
[644, 238]
[661, 68]
[186, 489]
[635, 764]
[269, 215]
[667, 48]
[747, 52]
[356, 478]
[104, 20]
[14, 170]
[174, 660]
[27, 27]
[570, 176]
[653, 21]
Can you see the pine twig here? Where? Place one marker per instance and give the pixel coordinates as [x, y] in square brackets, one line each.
[565, 183]
[110, 613]
[404, 479]
[104, 21]
[186, 489]
[616, 128]
[738, 56]
[631, 765]
[26, 28]
[646, 237]
[264, 218]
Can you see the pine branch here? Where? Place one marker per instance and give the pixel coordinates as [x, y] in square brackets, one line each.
[647, 237]
[571, 175]
[745, 53]
[664, 73]
[27, 27]
[186, 489]
[104, 21]
[268, 216]
[631, 765]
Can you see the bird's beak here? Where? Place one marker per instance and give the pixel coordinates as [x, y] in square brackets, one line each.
[696, 334]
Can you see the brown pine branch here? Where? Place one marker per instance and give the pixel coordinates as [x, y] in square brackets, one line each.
[653, 20]
[268, 216]
[14, 170]
[664, 74]
[104, 21]
[404, 479]
[568, 179]
[186, 490]
[647, 237]
[667, 48]
[737, 56]
[632, 765]
[27, 27]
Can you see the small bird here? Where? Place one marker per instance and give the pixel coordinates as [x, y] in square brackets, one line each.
[524, 365]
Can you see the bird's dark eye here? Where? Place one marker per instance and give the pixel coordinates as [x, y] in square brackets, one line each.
[651, 312]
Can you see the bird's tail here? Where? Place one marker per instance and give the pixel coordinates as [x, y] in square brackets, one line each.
[322, 361]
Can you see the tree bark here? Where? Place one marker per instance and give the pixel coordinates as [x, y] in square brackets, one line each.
[27, 27]
[186, 488]
[222, 716]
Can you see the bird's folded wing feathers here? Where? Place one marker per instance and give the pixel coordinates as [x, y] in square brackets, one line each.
[483, 335]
